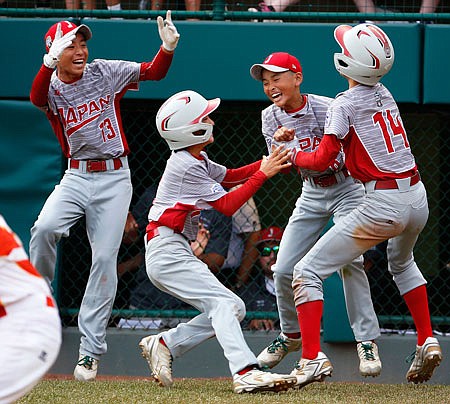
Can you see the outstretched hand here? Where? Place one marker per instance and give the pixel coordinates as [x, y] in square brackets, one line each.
[168, 32]
[60, 43]
[278, 160]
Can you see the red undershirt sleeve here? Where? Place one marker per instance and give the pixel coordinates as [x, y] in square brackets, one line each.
[158, 67]
[236, 176]
[322, 157]
[233, 200]
[40, 86]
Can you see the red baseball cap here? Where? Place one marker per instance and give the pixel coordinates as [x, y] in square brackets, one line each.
[66, 27]
[276, 62]
[272, 233]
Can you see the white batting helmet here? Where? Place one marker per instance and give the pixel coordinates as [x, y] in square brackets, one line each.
[179, 120]
[367, 53]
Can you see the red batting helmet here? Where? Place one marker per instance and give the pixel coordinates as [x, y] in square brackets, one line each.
[66, 27]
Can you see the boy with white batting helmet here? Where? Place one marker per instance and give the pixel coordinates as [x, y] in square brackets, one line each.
[81, 101]
[365, 122]
[192, 182]
[326, 194]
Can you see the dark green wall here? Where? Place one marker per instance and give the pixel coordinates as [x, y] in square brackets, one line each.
[214, 57]
[30, 164]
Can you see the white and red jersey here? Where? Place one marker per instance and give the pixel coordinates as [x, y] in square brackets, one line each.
[85, 114]
[88, 109]
[367, 121]
[186, 187]
[308, 122]
[18, 278]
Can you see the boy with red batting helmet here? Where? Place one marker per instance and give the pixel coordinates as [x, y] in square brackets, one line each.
[81, 101]
[365, 122]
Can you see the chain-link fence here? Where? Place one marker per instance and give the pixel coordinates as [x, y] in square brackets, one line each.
[238, 141]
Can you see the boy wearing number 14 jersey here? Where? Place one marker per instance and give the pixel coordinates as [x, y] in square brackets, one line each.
[365, 122]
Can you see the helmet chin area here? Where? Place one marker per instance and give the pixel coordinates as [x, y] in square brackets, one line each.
[179, 120]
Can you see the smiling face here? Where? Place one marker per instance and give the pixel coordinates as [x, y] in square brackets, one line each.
[283, 89]
[73, 60]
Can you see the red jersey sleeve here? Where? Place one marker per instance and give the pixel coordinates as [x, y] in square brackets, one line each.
[40, 86]
[233, 200]
[321, 158]
[158, 67]
[236, 176]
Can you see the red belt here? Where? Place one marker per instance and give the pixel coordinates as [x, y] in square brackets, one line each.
[96, 165]
[328, 180]
[152, 233]
[392, 184]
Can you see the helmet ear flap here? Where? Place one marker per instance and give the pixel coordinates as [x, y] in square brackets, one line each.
[180, 119]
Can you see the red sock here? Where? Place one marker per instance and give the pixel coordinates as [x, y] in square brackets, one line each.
[247, 369]
[417, 302]
[309, 317]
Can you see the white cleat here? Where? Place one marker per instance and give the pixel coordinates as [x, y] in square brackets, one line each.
[369, 360]
[159, 360]
[255, 381]
[426, 358]
[312, 370]
[86, 368]
[277, 350]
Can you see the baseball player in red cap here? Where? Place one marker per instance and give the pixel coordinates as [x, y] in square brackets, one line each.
[192, 182]
[365, 122]
[30, 327]
[81, 101]
[326, 194]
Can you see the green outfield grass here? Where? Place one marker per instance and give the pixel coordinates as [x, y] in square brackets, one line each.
[188, 391]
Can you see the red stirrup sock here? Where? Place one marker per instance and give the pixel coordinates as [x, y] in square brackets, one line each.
[309, 317]
[417, 302]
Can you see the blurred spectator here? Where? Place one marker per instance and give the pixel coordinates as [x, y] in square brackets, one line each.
[428, 6]
[242, 251]
[191, 5]
[363, 6]
[219, 229]
[259, 294]
[112, 5]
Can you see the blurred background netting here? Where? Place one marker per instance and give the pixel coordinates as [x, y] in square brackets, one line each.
[257, 11]
[238, 141]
